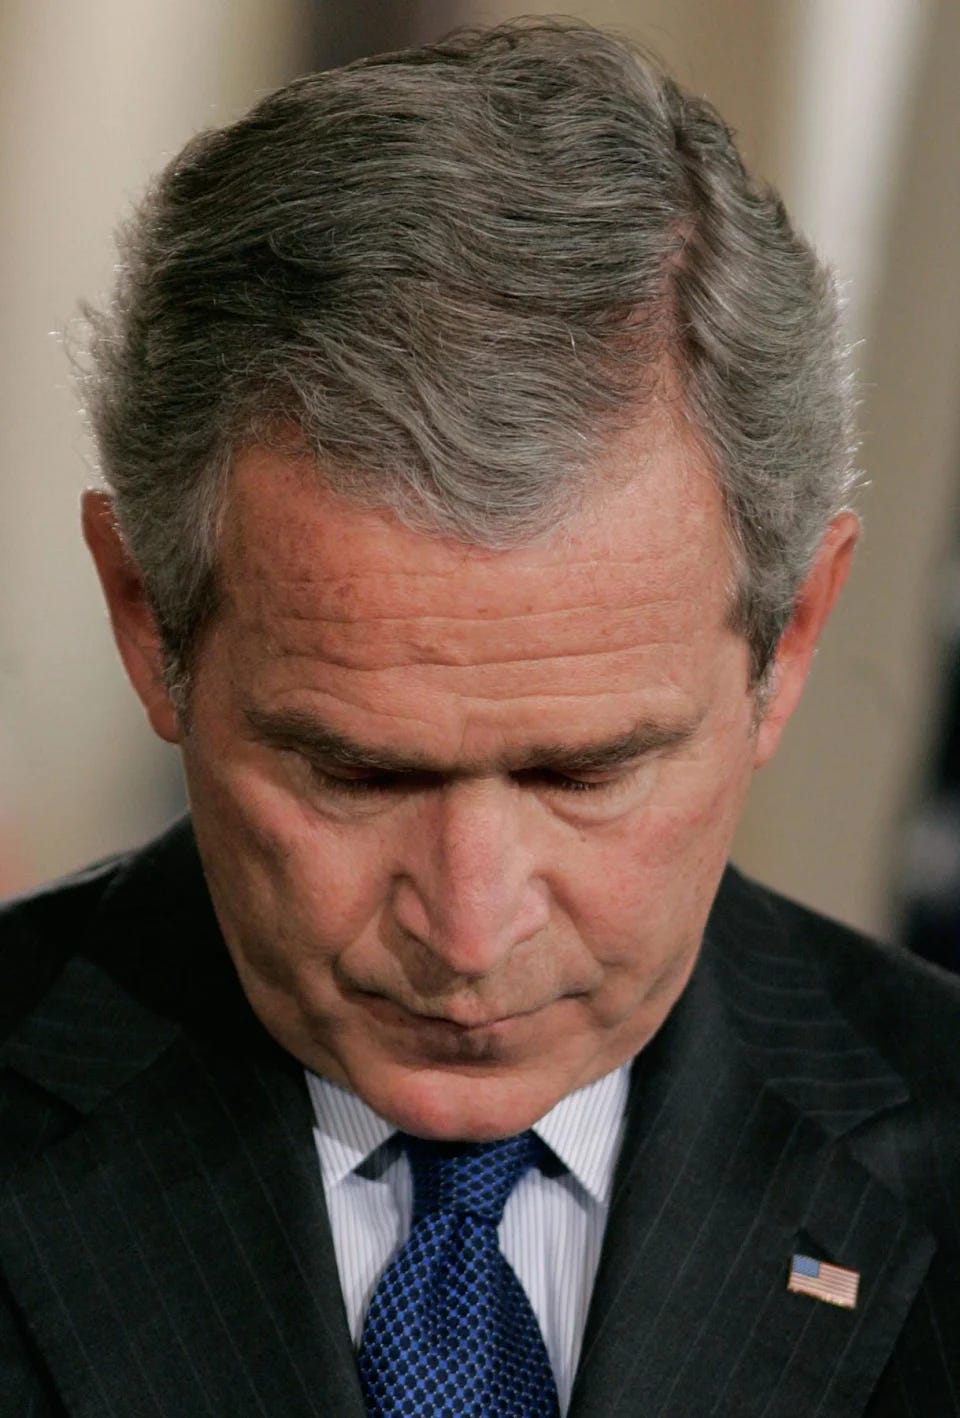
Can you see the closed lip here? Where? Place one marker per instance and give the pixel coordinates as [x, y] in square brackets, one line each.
[463, 1021]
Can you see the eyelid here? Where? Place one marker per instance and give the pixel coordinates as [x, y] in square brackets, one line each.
[359, 780]
[366, 782]
[593, 776]
[608, 785]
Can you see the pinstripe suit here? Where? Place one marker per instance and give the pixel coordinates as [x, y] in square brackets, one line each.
[165, 1251]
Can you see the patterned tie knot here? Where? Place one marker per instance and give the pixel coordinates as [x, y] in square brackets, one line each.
[474, 1178]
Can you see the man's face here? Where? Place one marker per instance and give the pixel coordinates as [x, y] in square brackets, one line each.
[463, 812]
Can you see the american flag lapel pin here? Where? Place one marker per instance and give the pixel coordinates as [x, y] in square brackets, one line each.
[834, 1283]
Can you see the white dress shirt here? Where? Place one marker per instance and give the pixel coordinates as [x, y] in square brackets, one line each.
[552, 1227]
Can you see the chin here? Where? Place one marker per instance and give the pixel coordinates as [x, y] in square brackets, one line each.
[463, 1105]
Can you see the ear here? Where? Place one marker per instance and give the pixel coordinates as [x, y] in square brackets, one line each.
[814, 602]
[134, 625]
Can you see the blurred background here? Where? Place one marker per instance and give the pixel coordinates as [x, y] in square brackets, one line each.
[851, 107]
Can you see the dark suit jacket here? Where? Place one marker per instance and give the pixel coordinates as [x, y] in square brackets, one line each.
[163, 1239]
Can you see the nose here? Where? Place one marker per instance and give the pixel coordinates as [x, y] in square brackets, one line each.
[469, 891]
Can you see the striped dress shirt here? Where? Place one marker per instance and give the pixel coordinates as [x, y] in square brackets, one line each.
[552, 1227]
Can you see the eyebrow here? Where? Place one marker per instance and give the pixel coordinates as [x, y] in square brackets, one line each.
[295, 729]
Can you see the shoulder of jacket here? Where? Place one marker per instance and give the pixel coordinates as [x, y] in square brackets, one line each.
[908, 1008]
[42, 928]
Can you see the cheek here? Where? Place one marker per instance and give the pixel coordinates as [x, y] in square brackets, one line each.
[640, 889]
[290, 890]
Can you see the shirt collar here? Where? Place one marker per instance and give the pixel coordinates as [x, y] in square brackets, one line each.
[583, 1130]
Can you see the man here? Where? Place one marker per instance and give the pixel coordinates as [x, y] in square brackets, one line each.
[477, 442]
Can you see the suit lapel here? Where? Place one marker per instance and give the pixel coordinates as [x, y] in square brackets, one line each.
[736, 1157]
[171, 1251]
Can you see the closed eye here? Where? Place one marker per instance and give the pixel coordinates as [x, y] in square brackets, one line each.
[554, 781]
[361, 784]
[365, 784]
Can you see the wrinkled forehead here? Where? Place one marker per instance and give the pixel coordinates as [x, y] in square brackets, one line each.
[651, 521]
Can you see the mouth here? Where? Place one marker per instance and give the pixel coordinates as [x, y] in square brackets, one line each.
[459, 1020]
[461, 1037]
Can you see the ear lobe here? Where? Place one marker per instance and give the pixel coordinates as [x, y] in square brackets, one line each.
[815, 600]
[134, 625]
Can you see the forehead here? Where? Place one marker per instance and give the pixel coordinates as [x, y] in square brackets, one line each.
[342, 610]
[654, 523]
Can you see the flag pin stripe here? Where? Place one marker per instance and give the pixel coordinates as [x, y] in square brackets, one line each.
[836, 1284]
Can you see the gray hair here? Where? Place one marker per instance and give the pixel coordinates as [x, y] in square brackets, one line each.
[454, 272]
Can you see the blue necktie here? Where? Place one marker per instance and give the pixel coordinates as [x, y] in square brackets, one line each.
[450, 1330]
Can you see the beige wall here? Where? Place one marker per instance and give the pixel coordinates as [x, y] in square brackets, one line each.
[850, 105]
[93, 98]
[825, 821]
